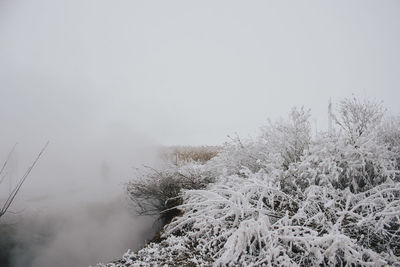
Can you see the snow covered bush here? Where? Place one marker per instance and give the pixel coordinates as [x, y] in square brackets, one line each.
[157, 192]
[291, 200]
[279, 144]
[389, 134]
[248, 222]
[286, 198]
[358, 118]
[288, 138]
[353, 155]
[332, 161]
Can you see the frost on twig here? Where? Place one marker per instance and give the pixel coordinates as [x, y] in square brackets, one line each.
[287, 199]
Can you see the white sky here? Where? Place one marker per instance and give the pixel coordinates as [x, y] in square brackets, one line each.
[188, 72]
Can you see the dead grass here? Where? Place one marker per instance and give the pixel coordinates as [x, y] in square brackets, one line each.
[179, 155]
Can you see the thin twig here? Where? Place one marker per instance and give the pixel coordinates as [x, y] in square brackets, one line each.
[6, 162]
[12, 195]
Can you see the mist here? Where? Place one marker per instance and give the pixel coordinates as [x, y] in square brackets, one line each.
[190, 73]
[73, 210]
[108, 82]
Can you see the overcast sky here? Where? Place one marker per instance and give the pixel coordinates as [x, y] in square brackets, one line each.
[188, 72]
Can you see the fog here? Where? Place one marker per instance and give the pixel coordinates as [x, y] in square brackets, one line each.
[81, 234]
[191, 73]
[107, 82]
[72, 210]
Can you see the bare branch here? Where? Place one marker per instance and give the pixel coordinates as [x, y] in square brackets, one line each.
[15, 191]
[6, 162]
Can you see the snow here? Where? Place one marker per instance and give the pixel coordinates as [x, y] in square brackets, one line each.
[288, 199]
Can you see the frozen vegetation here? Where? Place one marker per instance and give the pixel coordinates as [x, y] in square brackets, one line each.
[284, 198]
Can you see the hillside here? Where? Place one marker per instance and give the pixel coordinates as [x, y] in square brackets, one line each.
[286, 197]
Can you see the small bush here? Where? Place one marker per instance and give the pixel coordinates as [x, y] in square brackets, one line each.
[335, 202]
[286, 199]
[158, 192]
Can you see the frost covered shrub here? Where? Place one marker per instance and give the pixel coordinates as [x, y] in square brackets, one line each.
[236, 156]
[355, 155]
[331, 161]
[157, 192]
[278, 145]
[287, 199]
[250, 222]
[358, 118]
[362, 159]
[173, 251]
[288, 138]
[389, 134]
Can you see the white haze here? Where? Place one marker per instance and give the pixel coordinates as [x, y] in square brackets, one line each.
[184, 72]
[72, 210]
[106, 82]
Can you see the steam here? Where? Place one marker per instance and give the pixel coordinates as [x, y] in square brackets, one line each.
[79, 235]
[105, 81]
[73, 210]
